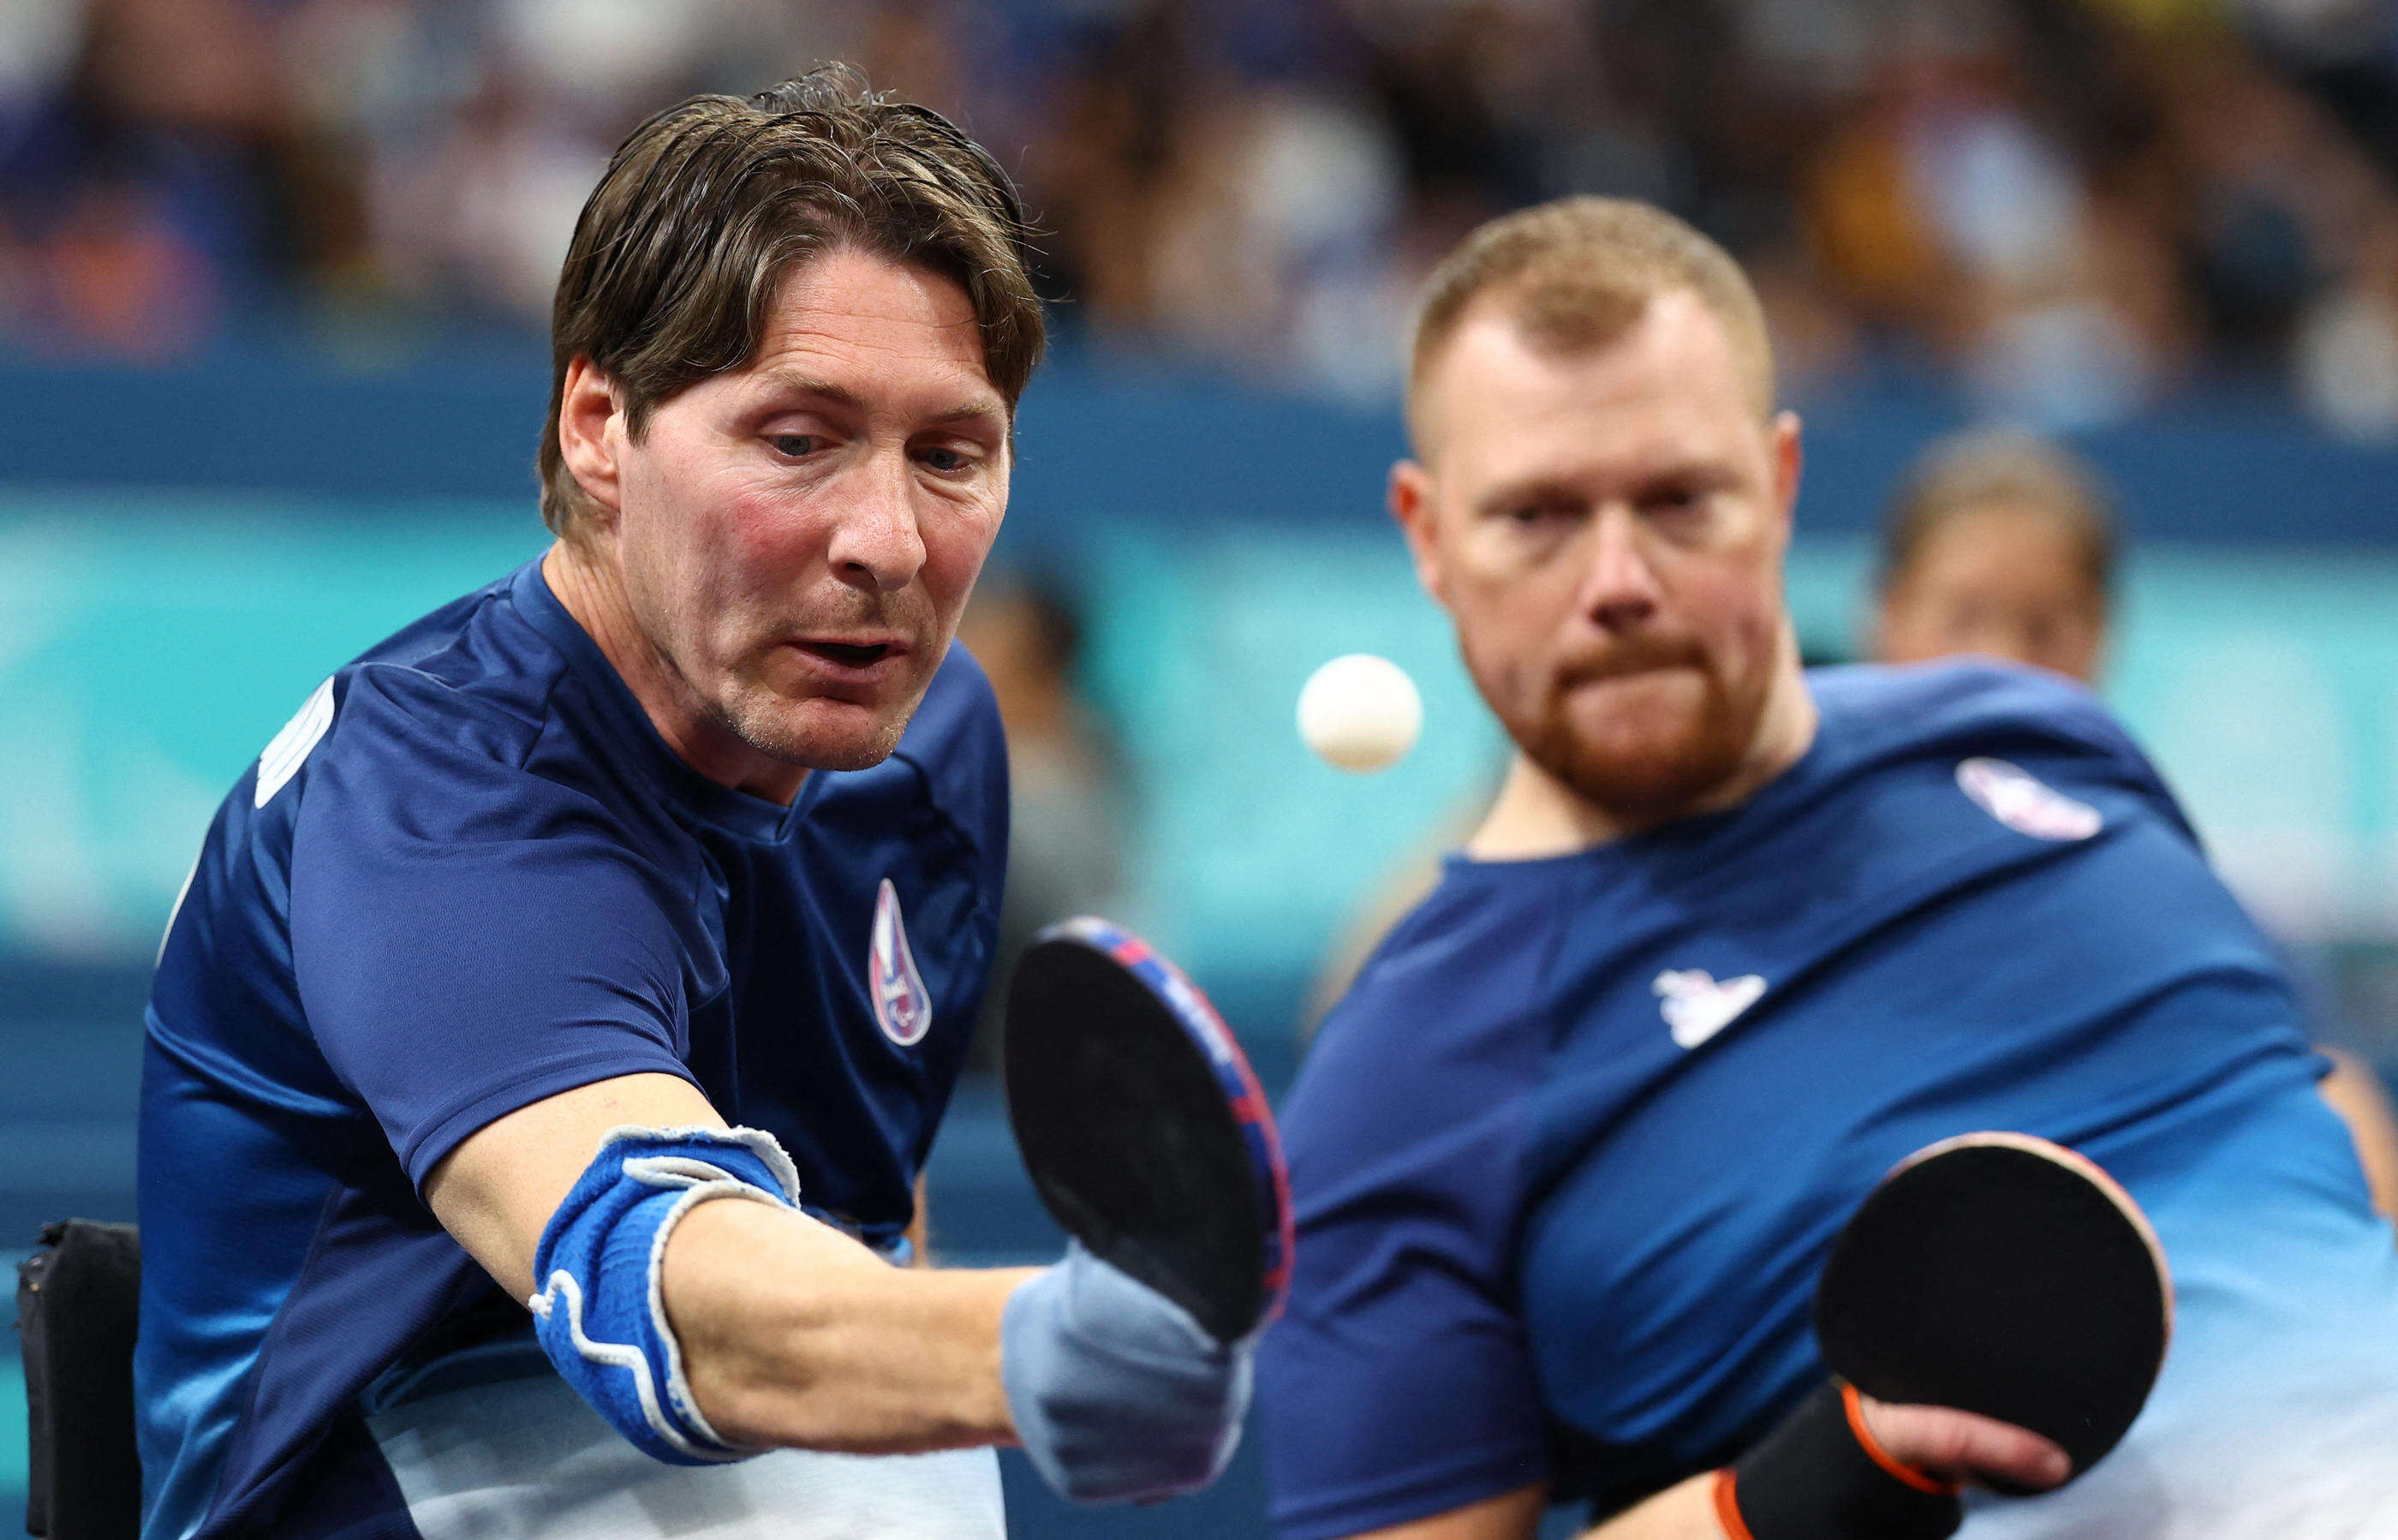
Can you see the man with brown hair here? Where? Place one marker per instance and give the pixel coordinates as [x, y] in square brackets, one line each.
[610, 940]
[1733, 941]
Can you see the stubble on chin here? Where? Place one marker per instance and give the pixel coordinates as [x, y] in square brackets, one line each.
[775, 725]
[1667, 762]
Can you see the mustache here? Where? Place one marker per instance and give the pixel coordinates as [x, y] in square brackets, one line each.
[906, 612]
[1619, 661]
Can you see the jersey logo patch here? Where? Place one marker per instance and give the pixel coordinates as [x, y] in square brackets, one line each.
[282, 758]
[903, 1007]
[2025, 804]
[1696, 1008]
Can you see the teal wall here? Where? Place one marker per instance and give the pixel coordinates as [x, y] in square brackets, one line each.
[149, 647]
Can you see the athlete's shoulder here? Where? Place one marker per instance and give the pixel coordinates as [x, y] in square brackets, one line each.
[457, 714]
[1485, 924]
[2007, 721]
[1453, 1010]
[1954, 701]
[480, 658]
[959, 712]
[958, 749]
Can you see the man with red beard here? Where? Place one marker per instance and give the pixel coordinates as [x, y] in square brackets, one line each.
[1733, 941]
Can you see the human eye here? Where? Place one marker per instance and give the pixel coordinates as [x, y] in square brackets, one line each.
[1689, 512]
[794, 446]
[1529, 513]
[950, 458]
[1676, 499]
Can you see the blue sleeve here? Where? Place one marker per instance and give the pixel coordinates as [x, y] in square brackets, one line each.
[469, 938]
[1398, 1383]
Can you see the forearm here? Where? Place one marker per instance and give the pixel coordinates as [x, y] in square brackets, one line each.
[794, 1334]
[1929, 1443]
[1684, 1512]
[2356, 1094]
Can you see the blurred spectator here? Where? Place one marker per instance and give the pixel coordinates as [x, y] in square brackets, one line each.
[1067, 811]
[2346, 357]
[117, 278]
[483, 220]
[2001, 545]
[2005, 545]
[2071, 205]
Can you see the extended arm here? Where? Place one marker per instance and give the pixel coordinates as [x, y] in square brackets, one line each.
[791, 1332]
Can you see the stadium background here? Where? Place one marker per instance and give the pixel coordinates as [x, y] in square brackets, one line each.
[273, 276]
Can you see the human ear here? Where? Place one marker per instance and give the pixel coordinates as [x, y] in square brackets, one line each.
[588, 410]
[1788, 458]
[1412, 500]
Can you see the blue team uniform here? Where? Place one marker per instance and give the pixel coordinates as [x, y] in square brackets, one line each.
[1570, 1156]
[470, 875]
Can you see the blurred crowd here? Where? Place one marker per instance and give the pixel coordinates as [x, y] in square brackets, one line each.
[2072, 206]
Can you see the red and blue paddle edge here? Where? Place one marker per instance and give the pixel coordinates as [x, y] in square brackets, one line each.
[1197, 1016]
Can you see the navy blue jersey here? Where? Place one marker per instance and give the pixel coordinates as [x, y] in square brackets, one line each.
[467, 876]
[1570, 1156]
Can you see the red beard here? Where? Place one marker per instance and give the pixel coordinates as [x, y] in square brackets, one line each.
[1650, 769]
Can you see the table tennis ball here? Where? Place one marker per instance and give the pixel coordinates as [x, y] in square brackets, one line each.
[1360, 712]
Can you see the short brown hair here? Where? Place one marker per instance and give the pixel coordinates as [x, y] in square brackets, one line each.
[1998, 467]
[707, 206]
[1580, 272]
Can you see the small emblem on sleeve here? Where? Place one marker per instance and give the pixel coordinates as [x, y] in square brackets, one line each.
[1696, 1008]
[902, 1006]
[2026, 805]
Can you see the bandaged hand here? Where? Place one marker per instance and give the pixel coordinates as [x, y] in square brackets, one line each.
[1118, 1394]
[1842, 1467]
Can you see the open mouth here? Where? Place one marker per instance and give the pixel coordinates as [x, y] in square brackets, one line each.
[851, 653]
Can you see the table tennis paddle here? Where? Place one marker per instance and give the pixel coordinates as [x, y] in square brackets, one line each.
[1143, 1127]
[2001, 1274]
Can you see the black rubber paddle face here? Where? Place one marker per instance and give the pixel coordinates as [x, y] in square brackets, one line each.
[1132, 1135]
[2003, 1274]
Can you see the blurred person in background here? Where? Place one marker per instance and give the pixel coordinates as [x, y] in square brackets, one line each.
[1998, 544]
[1735, 937]
[1067, 797]
[2005, 545]
[2071, 208]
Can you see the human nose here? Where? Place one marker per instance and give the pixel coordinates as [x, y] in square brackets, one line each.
[877, 544]
[1620, 590]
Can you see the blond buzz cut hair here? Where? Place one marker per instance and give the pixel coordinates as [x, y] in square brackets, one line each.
[1577, 274]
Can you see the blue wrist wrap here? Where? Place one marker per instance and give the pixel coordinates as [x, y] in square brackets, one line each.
[600, 1314]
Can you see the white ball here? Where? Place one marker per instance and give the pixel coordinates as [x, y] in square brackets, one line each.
[1360, 712]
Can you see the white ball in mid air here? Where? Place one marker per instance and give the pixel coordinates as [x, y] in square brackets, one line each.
[1360, 712]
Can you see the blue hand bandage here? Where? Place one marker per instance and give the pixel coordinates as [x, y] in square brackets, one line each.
[600, 1314]
[1117, 1392]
